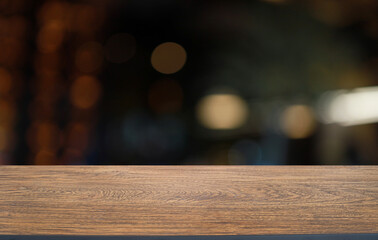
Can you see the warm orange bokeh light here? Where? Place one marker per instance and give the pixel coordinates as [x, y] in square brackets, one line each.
[168, 57]
[298, 121]
[85, 92]
[50, 37]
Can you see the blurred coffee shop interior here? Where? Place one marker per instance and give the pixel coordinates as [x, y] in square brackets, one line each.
[268, 82]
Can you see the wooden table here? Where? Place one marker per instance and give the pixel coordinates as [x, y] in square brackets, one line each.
[188, 200]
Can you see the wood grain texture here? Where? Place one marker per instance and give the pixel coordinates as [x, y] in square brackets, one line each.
[188, 200]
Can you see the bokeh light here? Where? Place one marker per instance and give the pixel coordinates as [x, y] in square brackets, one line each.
[222, 111]
[350, 108]
[85, 92]
[298, 121]
[120, 48]
[124, 82]
[168, 57]
[50, 37]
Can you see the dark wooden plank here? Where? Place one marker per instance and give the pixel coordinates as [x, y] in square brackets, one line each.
[188, 200]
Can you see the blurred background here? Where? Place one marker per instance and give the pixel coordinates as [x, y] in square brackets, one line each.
[189, 82]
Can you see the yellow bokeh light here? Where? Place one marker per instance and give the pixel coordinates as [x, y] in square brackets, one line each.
[85, 92]
[298, 121]
[222, 111]
[168, 58]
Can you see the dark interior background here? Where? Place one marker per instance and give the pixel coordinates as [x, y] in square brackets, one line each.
[188, 82]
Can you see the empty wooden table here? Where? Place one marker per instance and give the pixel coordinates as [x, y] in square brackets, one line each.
[188, 200]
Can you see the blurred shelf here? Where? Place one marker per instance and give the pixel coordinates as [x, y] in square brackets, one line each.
[188, 200]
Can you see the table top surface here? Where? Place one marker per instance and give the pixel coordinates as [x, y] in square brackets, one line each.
[188, 200]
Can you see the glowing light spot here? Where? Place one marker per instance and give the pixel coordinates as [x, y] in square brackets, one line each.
[5, 81]
[350, 108]
[50, 37]
[120, 47]
[89, 57]
[298, 121]
[168, 57]
[165, 96]
[222, 111]
[85, 92]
